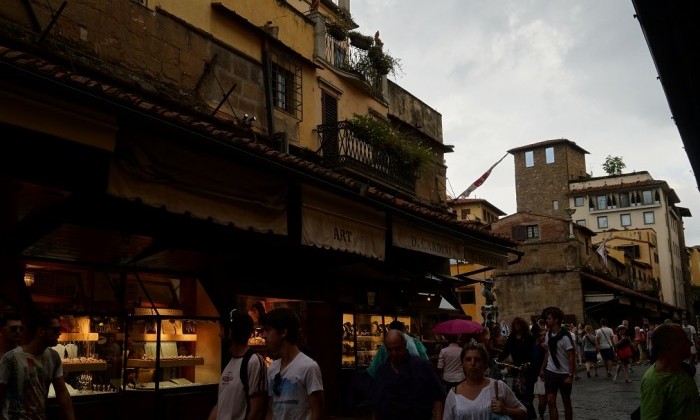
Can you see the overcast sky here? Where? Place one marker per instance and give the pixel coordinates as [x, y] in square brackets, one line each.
[505, 74]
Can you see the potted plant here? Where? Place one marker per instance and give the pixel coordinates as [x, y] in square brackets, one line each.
[388, 142]
[363, 42]
[336, 30]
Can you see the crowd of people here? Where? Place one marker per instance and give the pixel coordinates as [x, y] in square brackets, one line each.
[466, 383]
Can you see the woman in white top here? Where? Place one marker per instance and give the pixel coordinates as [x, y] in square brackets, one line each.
[478, 397]
[450, 363]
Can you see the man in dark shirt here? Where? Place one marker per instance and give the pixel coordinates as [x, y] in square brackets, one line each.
[406, 386]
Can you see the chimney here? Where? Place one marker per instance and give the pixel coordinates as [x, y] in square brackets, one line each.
[344, 4]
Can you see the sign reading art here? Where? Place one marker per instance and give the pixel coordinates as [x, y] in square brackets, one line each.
[426, 241]
[329, 221]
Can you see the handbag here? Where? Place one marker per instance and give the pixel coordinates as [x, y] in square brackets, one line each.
[495, 416]
[625, 352]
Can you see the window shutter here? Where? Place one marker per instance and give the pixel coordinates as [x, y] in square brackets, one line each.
[330, 109]
[519, 233]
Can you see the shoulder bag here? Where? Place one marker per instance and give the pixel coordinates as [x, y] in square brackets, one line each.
[495, 416]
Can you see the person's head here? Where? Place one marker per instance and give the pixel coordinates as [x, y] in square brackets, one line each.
[670, 342]
[684, 322]
[397, 325]
[10, 329]
[519, 326]
[622, 329]
[396, 346]
[44, 328]
[589, 329]
[451, 338]
[553, 316]
[475, 359]
[239, 327]
[257, 311]
[279, 326]
[603, 322]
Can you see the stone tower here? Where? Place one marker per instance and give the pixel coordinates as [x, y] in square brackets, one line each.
[543, 171]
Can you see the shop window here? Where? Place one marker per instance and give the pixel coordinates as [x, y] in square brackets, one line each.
[626, 220]
[603, 222]
[579, 201]
[648, 217]
[549, 154]
[529, 159]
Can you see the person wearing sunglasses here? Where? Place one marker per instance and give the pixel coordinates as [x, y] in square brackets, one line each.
[10, 332]
[295, 383]
[242, 394]
[27, 372]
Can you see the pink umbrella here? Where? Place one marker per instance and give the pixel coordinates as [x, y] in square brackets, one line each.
[458, 326]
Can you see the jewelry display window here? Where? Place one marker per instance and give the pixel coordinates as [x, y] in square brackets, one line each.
[363, 334]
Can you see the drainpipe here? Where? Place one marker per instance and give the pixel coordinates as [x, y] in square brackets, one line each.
[267, 80]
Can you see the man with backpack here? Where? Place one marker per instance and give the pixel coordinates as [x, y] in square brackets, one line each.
[243, 386]
[559, 365]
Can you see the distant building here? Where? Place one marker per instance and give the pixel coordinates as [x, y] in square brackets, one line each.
[550, 179]
[475, 209]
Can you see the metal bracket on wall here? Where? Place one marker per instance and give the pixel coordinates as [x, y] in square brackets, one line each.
[54, 18]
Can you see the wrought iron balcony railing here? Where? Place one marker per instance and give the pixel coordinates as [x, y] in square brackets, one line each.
[342, 149]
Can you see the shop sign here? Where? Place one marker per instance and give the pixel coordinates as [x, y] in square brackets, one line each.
[487, 259]
[331, 222]
[425, 241]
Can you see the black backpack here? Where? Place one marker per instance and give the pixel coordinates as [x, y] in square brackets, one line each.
[244, 377]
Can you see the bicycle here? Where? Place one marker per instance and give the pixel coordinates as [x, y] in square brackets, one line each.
[518, 383]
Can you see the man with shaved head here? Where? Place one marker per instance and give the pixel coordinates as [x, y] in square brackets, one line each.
[406, 386]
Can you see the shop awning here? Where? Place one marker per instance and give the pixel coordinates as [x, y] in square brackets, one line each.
[649, 301]
[162, 173]
[332, 222]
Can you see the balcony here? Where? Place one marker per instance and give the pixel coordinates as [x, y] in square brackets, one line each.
[345, 150]
[368, 64]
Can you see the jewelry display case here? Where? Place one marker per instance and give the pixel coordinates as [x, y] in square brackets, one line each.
[363, 334]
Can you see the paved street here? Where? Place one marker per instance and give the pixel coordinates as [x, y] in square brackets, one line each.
[600, 399]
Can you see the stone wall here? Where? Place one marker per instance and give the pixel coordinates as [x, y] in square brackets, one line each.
[527, 294]
[152, 50]
[539, 185]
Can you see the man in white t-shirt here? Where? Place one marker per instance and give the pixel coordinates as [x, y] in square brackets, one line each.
[236, 400]
[604, 336]
[27, 372]
[559, 364]
[690, 332]
[294, 380]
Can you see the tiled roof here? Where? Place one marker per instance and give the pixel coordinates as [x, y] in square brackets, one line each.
[223, 132]
[618, 187]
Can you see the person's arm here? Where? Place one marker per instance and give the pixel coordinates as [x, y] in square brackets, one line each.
[438, 409]
[316, 404]
[256, 406]
[268, 414]
[63, 398]
[3, 392]
[571, 356]
[212, 413]
[544, 361]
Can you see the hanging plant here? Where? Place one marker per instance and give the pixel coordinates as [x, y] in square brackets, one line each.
[382, 62]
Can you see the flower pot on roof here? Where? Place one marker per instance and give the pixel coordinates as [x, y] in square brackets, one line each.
[357, 40]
